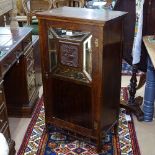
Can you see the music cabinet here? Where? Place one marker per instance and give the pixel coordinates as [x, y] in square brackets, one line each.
[81, 55]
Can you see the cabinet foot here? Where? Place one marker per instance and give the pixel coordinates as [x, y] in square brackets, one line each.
[116, 128]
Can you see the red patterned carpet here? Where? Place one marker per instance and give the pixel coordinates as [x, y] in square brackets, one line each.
[57, 142]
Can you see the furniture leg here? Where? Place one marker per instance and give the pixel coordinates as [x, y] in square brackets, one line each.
[116, 128]
[99, 143]
[134, 104]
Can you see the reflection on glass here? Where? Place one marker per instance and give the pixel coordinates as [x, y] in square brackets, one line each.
[70, 54]
[87, 56]
[68, 34]
[52, 50]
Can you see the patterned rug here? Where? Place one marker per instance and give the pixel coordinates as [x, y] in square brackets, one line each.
[59, 142]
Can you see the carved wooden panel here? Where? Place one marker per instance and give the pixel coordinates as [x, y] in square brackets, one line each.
[69, 55]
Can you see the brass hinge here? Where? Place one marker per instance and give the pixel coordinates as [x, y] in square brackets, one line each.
[95, 125]
[96, 42]
[46, 75]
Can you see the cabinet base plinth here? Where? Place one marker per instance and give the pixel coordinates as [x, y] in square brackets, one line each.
[24, 110]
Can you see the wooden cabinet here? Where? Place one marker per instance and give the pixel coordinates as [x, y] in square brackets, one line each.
[4, 124]
[18, 71]
[18, 90]
[81, 54]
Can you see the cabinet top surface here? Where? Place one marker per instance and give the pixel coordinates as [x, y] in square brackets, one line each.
[9, 39]
[98, 16]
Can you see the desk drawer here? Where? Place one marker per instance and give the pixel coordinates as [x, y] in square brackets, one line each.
[10, 58]
[29, 58]
[31, 87]
[3, 116]
[18, 51]
[1, 93]
[7, 62]
[30, 73]
[27, 42]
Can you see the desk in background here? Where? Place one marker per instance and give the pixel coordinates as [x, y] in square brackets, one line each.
[18, 88]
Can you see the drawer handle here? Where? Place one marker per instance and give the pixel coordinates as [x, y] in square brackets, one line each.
[1, 121]
[7, 65]
[17, 54]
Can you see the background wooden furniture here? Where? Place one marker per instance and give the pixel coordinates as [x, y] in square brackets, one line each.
[4, 124]
[72, 3]
[33, 6]
[60, 3]
[81, 54]
[77, 3]
[20, 9]
[17, 71]
[5, 7]
[18, 89]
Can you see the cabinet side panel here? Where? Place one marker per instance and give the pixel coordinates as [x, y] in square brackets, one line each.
[112, 59]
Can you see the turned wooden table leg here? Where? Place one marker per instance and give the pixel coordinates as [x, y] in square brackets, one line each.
[134, 104]
[133, 85]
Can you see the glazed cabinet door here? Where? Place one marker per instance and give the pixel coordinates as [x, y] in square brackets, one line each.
[70, 75]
